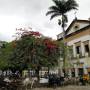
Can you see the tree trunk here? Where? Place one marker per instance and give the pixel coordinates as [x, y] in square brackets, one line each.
[64, 53]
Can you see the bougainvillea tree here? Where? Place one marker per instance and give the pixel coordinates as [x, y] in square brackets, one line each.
[32, 50]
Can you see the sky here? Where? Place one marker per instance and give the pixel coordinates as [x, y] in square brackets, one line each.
[32, 13]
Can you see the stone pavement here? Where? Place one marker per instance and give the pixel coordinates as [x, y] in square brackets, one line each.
[66, 88]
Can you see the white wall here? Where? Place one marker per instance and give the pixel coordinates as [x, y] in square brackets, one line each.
[82, 39]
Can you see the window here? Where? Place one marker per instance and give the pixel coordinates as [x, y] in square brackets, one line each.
[78, 49]
[86, 48]
[76, 27]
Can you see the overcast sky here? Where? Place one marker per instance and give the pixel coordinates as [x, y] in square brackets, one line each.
[31, 13]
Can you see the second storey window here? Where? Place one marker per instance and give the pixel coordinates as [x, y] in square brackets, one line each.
[87, 48]
[78, 49]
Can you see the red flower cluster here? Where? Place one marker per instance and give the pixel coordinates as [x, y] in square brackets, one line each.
[31, 33]
[34, 33]
[50, 44]
[24, 32]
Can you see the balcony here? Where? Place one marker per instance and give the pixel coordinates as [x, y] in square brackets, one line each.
[80, 56]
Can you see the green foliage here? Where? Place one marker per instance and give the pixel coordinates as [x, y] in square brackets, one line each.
[32, 52]
[4, 55]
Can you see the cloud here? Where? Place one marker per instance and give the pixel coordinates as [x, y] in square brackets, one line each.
[20, 13]
[49, 25]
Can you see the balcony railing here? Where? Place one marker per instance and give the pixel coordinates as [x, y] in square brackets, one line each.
[80, 56]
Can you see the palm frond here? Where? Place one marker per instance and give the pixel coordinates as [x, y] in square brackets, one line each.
[61, 7]
[51, 12]
[56, 2]
[55, 8]
[71, 4]
[54, 15]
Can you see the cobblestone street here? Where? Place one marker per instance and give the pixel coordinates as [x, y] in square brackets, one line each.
[66, 88]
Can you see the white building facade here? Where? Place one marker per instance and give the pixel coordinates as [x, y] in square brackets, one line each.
[78, 38]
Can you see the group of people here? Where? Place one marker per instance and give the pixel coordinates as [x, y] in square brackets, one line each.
[57, 80]
[53, 79]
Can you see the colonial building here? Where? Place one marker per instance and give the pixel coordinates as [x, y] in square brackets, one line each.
[78, 38]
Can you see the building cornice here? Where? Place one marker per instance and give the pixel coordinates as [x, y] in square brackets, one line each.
[77, 32]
